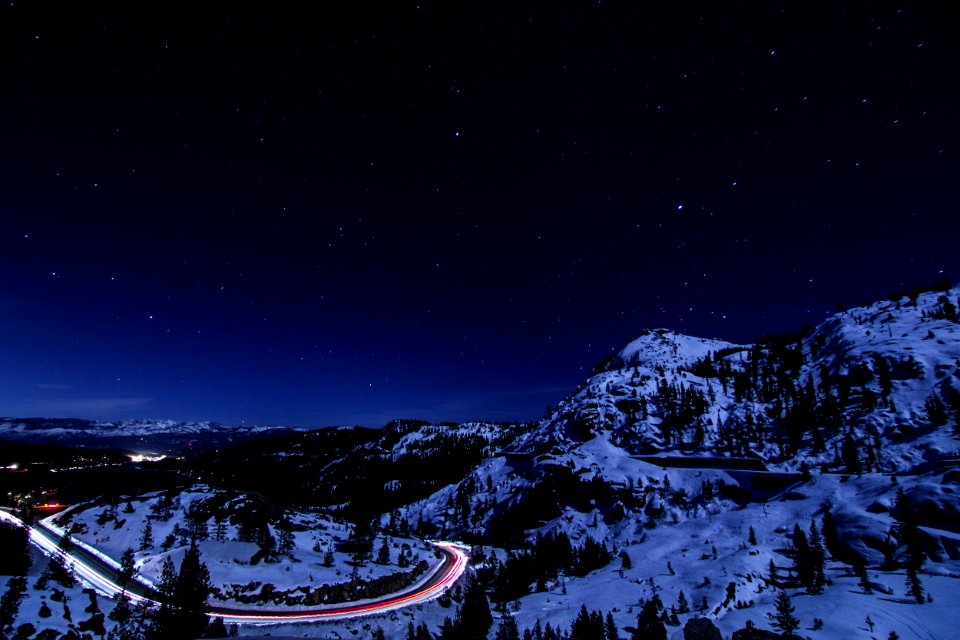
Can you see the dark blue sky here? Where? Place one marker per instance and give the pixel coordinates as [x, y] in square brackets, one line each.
[352, 213]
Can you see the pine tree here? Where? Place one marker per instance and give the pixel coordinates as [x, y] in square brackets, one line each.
[850, 454]
[217, 629]
[423, 633]
[801, 557]
[508, 629]
[128, 568]
[831, 537]
[474, 618]
[682, 606]
[752, 537]
[220, 529]
[383, 554]
[448, 630]
[908, 532]
[163, 624]
[817, 562]
[15, 543]
[146, 538]
[122, 610]
[10, 602]
[649, 624]
[585, 625]
[783, 620]
[183, 596]
[610, 630]
[914, 588]
[287, 542]
[860, 569]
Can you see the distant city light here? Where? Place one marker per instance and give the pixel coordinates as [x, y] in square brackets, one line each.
[146, 457]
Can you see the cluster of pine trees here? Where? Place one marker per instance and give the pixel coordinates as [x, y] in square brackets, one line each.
[809, 559]
[544, 559]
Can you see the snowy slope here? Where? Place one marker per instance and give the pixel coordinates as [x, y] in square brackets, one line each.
[591, 469]
[237, 564]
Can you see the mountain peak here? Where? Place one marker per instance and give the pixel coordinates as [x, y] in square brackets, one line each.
[667, 348]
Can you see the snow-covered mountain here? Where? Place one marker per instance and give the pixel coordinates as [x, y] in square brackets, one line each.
[676, 442]
[670, 486]
[160, 435]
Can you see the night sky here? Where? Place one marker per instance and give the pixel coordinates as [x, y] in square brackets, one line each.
[351, 212]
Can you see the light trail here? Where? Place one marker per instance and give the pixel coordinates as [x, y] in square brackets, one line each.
[427, 589]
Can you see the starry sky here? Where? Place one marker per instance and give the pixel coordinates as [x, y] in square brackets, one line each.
[349, 211]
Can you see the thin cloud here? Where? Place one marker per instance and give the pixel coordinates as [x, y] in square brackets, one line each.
[55, 387]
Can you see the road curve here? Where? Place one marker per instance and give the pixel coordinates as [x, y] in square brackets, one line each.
[95, 570]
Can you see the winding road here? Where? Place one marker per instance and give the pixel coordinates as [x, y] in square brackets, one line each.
[101, 573]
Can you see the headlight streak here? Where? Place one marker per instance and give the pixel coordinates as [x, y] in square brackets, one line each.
[426, 591]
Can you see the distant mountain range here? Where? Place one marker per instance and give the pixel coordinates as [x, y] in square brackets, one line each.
[138, 435]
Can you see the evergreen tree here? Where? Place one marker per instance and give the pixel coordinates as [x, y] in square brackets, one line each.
[649, 624]
[752, 537]
[936, 411]
[183, 595]
[508, 629]
[128, 568]
[817, 562]
[146, 538]
[10, 602]
[914, 588]
[220, 529]
[783, 620]
[383, 554]
[163, 625]
[217, 629]
[831, 537]
[474, 618]
[682, 606]
[287, 542]
[447, 630]
[908, 532]
[801, 557]
[121, 610]
[423, 633]
[860, 569]
[610, 630]
[587, 626]
[15, 542]
[850, 454]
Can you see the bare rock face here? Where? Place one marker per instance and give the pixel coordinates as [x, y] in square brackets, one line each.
[701, 629]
